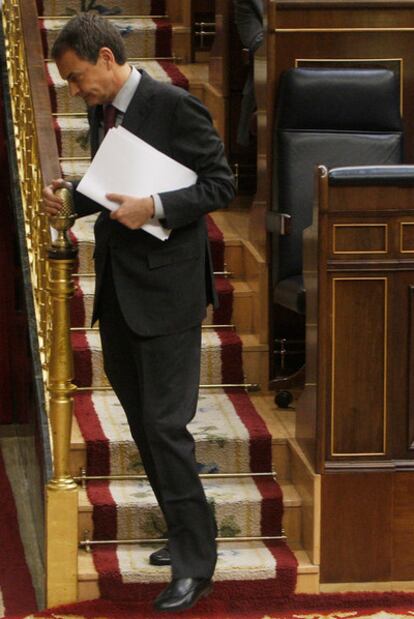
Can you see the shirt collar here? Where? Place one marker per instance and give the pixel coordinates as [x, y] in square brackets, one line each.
[124, 96]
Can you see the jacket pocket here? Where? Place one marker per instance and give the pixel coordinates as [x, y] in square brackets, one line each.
[172, 255]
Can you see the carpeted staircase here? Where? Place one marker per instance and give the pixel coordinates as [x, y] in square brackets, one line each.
[231, 437]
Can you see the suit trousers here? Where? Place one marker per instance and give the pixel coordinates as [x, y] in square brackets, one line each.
[156, 380]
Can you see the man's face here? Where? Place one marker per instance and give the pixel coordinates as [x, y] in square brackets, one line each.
[93, 82]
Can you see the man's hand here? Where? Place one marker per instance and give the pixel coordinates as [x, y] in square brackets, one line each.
[52, 203]
[132, 212]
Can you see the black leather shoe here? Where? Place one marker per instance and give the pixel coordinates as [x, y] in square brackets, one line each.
[160, 556]
[183, 593]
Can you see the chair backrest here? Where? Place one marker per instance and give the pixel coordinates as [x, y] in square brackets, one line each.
[334, 117]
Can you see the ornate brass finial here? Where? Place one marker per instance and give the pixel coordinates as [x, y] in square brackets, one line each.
[64, 221]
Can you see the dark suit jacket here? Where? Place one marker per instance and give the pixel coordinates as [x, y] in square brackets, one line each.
[248, 16]
[164, 286]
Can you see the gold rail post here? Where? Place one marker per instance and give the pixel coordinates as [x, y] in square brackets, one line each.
[62, 490]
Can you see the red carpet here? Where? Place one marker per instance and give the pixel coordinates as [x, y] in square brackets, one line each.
[16, 588]
[325, 606]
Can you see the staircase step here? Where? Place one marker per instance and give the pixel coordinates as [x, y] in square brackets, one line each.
[230, 435]
[221, 352]
[124, 510]
[243, 569]
[63, 103]
[72, 135]
[113, 7]
[255, 360]
[231, 439]
[82, 303]
[83, 232]
[292, 506]
[143, 38]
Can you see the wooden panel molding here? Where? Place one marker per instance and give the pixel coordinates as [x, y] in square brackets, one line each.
[411, 367]
[407, 237]
[356, 525]
[358, 238]
[359, 366]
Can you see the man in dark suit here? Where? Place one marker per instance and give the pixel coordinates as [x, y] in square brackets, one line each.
[151, 295]
[248, 16]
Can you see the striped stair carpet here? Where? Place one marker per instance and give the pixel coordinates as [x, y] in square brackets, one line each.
[231, 437]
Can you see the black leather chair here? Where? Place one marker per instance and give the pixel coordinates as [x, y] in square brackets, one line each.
[334, 117]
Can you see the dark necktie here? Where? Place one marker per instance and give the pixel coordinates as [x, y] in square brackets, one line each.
[109, 116]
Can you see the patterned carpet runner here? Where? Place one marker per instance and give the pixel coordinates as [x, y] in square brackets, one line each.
[364, 605]
[230, 434]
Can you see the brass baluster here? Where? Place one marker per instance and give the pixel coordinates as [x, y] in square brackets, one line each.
[62, 492]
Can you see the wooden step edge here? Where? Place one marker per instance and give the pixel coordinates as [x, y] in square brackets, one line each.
[308, 485]
[252, 343]
[241, 288]
[291, 497]
[305, 565]
[196, 72]
[178, 28]
[308, 573]
[222, 219]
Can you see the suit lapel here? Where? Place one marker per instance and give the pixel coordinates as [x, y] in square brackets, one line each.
[140, 105]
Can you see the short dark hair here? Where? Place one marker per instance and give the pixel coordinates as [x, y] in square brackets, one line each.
[86, 34]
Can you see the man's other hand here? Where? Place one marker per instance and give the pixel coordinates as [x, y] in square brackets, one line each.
[52, 203]
[132, 212]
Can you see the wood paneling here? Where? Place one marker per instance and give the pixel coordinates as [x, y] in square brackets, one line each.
[359, 329]
[179, 12]
[367, 531]
[403, 528]
[355, 419]
[357, 238]
[219, 64]
[390, 16]
[411, 367]
[356, 525]
[359, 365]
[362, 368]
[407, 237]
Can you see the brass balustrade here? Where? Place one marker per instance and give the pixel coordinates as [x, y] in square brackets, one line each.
[51, 267]
[36, 224]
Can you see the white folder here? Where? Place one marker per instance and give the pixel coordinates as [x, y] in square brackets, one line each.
[125, 164]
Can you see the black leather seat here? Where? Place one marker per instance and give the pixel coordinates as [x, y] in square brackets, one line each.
[334, 117]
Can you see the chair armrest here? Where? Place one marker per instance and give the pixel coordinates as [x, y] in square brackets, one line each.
[278, 223]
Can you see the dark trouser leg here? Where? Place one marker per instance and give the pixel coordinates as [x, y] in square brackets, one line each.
[156, 380]
[120, 369]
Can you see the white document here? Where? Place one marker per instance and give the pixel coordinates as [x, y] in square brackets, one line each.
[127, 165]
